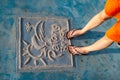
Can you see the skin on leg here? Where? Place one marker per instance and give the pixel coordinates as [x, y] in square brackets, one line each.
[98, 45]
[93, 23]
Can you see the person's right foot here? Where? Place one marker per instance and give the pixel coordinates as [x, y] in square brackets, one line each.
[77, 50]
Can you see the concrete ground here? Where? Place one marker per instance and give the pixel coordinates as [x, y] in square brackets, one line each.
[98, 65]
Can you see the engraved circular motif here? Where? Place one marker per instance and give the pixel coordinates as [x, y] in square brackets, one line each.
[55, 27]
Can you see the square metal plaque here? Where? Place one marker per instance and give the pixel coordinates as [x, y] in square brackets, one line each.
[43, 43]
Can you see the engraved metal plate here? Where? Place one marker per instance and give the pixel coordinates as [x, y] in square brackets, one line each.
[43, 43]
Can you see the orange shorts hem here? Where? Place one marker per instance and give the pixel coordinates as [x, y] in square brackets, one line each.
[114, 32]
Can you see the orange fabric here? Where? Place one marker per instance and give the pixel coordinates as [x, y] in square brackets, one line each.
[112, 8]
[114, 32]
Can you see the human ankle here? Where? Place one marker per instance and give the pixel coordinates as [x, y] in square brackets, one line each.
[85, 50]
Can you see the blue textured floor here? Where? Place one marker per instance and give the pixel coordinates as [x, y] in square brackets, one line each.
[99, 65]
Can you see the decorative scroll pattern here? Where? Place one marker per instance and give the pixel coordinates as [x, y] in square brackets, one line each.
[43, 43]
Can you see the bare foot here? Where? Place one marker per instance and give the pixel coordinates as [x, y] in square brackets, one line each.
[77, 50]
[72, 50]
[73, 33]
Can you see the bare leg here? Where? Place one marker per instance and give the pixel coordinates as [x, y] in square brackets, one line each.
[98, 45]
[93, 23]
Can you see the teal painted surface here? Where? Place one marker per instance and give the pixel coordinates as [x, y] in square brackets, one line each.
[99, 65]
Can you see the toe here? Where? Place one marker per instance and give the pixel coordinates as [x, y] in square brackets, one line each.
[72, 50]
[69, 34]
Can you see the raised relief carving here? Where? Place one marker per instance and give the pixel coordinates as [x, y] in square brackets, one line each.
[43, 43]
